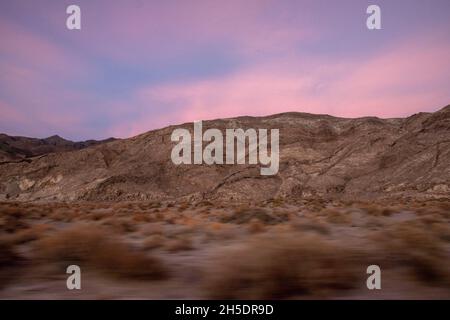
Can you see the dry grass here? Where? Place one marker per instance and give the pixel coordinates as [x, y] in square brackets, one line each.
[179, 244]
[336, 216]
[410, 244]
[183, 207]
[7, 256]
[441, 230]
[22, 236]
[142, 218]
[282, 266]
[311, 225]
[374, 223]
[93, 247]
[251, 251]
[150, 229]
[256, 226]
[121, 224]
[8, 261]
[219, 231]
[246, 214]
[377, 210]
[12, 219]
[154, 241]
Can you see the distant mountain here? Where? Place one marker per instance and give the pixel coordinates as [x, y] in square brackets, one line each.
[13, 148]
[320, 157]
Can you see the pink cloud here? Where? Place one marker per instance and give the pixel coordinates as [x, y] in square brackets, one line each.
[45, 76]
[404, 79]
[33, 79]
[9, 114]
[166, 30]
[28, 49]
[408, 78]
[38, 94]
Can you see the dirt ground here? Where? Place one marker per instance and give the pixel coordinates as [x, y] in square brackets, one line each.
[313, 249]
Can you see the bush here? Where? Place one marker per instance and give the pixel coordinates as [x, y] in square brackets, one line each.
[282, 266]
[245, 215]
[91, 246]
[8, 261]
[410, 245]
[180, 244]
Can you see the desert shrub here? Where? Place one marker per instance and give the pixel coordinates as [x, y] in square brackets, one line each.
[441, 230]
[155, 228]
[216, 226]
[121, 225]
[256, 226]
[445, 206]
[179, 244]
[431, 218]
[245, 215]
[93, 247]
[282, 266]
[142, 218]
[316, 205]
[183, 207]
[408, 244]
[27, 235]
[189, 221]
[378, 210]
[12, 220]
[99, 215]
[276, 202]
[66, 216]
[307, 225]
[336, 216]
[8, 263]
[170, 217]
[154, 241]
[57, 215]
[156, 204]
[372, 210]
[387, 211]
[158, 216]
[218, 231]
[8, 257]
[374, 223]
[179, 230]
[205, 203]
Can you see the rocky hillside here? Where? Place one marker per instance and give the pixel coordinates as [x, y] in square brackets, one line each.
[15, 148]
[320, 156]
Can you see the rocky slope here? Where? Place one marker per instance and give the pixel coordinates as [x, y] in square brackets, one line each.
[14, 148]
[320, 156]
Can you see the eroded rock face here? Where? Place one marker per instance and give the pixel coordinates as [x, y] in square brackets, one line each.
[320, 156]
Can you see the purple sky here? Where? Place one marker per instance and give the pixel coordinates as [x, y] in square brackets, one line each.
[141, 65]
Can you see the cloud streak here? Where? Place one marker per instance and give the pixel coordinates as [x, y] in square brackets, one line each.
[141, 65]
[384, 85]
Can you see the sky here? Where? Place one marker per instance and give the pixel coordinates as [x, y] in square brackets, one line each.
[138, 65]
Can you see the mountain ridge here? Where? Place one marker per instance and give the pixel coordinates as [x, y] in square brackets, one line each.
[321, 156]
[18, 148]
